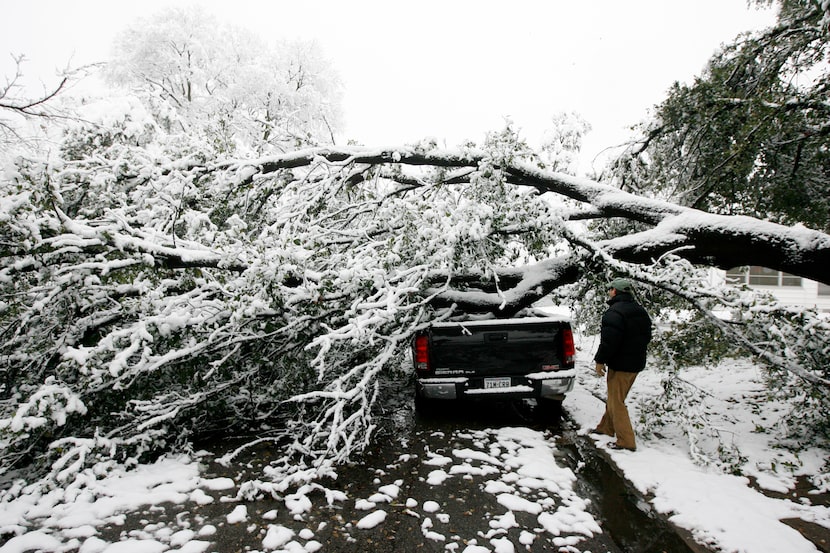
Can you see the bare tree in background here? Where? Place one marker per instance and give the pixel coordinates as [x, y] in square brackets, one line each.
[21, 105]
[196, 72]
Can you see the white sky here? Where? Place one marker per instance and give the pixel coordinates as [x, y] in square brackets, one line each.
[437, 68]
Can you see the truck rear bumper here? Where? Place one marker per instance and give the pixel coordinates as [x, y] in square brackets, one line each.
[549, 386]
[437, 390]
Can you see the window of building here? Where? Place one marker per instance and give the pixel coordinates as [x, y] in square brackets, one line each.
[790, 280]
[761, 276]
[737, 275]
[823, 289]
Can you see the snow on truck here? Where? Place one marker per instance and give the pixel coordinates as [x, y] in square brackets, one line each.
[522, 358]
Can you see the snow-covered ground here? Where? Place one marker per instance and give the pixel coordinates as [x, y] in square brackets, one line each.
[516, 467]
[721, 510]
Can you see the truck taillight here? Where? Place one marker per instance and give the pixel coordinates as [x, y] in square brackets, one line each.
[569, 349]
[422, 353]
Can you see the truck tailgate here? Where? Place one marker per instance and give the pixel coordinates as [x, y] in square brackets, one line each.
[496, 348]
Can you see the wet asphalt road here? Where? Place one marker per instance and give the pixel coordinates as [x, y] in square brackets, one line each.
[466, 512]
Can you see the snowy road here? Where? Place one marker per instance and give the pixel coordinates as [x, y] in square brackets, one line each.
[479, 480]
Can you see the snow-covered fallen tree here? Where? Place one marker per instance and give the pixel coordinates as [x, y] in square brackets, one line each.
[154, 292]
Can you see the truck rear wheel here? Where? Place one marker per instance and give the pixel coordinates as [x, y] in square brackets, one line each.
[423, 406]
[549, 410]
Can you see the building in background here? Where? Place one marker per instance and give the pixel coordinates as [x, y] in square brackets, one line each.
[787, 288]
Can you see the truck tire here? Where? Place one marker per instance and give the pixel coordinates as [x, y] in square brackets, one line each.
[549, 410]
[424, 406]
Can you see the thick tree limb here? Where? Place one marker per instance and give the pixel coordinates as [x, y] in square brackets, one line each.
[729, 241]
[719, 240]
[514, 290]
[171, 257]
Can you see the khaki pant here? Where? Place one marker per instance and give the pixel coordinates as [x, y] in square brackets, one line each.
[615, 421]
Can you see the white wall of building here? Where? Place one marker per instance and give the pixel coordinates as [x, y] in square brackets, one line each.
[808, 294]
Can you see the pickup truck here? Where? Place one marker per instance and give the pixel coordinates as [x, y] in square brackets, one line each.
[521, 358]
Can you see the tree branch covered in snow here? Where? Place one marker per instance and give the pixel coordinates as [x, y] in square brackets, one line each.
[704, 238]
[154, 291]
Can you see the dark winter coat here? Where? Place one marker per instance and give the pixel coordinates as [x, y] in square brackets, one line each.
[625, 333]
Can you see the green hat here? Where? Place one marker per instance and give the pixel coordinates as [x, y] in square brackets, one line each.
[620, 285]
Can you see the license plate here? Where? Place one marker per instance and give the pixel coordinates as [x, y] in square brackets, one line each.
[490, 383]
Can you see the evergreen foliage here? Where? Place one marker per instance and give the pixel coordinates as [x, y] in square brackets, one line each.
[750, 136]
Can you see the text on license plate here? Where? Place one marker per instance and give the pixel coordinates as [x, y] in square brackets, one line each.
[490, 383]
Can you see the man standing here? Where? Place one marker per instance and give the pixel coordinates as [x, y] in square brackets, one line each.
[624, 335]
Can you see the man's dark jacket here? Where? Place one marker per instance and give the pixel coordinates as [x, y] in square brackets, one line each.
[625, 333]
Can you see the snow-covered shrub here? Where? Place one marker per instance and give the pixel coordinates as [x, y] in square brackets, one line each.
[707, 337]
[799, 335]
[684, 407]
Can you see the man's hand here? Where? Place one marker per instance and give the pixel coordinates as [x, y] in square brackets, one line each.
[600, 369]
